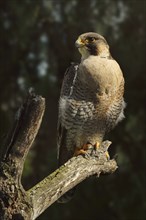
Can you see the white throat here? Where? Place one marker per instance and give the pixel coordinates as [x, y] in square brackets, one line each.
[84, 52]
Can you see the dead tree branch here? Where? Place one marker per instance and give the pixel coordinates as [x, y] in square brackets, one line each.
[15, 202]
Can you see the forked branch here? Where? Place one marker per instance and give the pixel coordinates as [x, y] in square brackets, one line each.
[15, 202]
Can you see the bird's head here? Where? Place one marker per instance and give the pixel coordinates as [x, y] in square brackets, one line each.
[92, 44]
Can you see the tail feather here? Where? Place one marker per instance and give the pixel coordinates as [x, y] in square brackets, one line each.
[64, 154]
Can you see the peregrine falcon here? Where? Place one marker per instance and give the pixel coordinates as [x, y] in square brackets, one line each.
[91, 100]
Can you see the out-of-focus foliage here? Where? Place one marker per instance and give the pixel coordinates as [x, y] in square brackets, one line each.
[36, 46]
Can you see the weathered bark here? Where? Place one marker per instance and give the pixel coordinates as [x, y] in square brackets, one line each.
[15, 202]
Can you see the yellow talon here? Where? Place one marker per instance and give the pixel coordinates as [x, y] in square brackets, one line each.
[107, 155]
[81, 150]
[97, 145]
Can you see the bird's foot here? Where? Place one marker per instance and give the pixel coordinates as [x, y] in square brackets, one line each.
[83, 150]
[89, 150]
[107, 155]
[97, 150]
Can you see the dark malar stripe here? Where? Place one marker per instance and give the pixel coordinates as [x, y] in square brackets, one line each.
[92, 49]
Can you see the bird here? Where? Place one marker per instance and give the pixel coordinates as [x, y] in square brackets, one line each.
[91, 100]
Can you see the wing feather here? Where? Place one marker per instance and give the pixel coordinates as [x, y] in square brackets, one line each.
[67, 87]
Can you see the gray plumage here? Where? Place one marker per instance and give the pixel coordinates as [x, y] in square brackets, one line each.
[91, 100]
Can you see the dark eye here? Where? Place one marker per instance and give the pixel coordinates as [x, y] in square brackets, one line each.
[91, 39]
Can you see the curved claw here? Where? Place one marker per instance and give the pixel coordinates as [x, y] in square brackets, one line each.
[82, 150]
[88, 150]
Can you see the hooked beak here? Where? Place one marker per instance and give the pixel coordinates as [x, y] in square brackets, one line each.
[79, 43]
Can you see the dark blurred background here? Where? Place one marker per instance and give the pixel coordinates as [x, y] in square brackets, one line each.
[36, 46]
